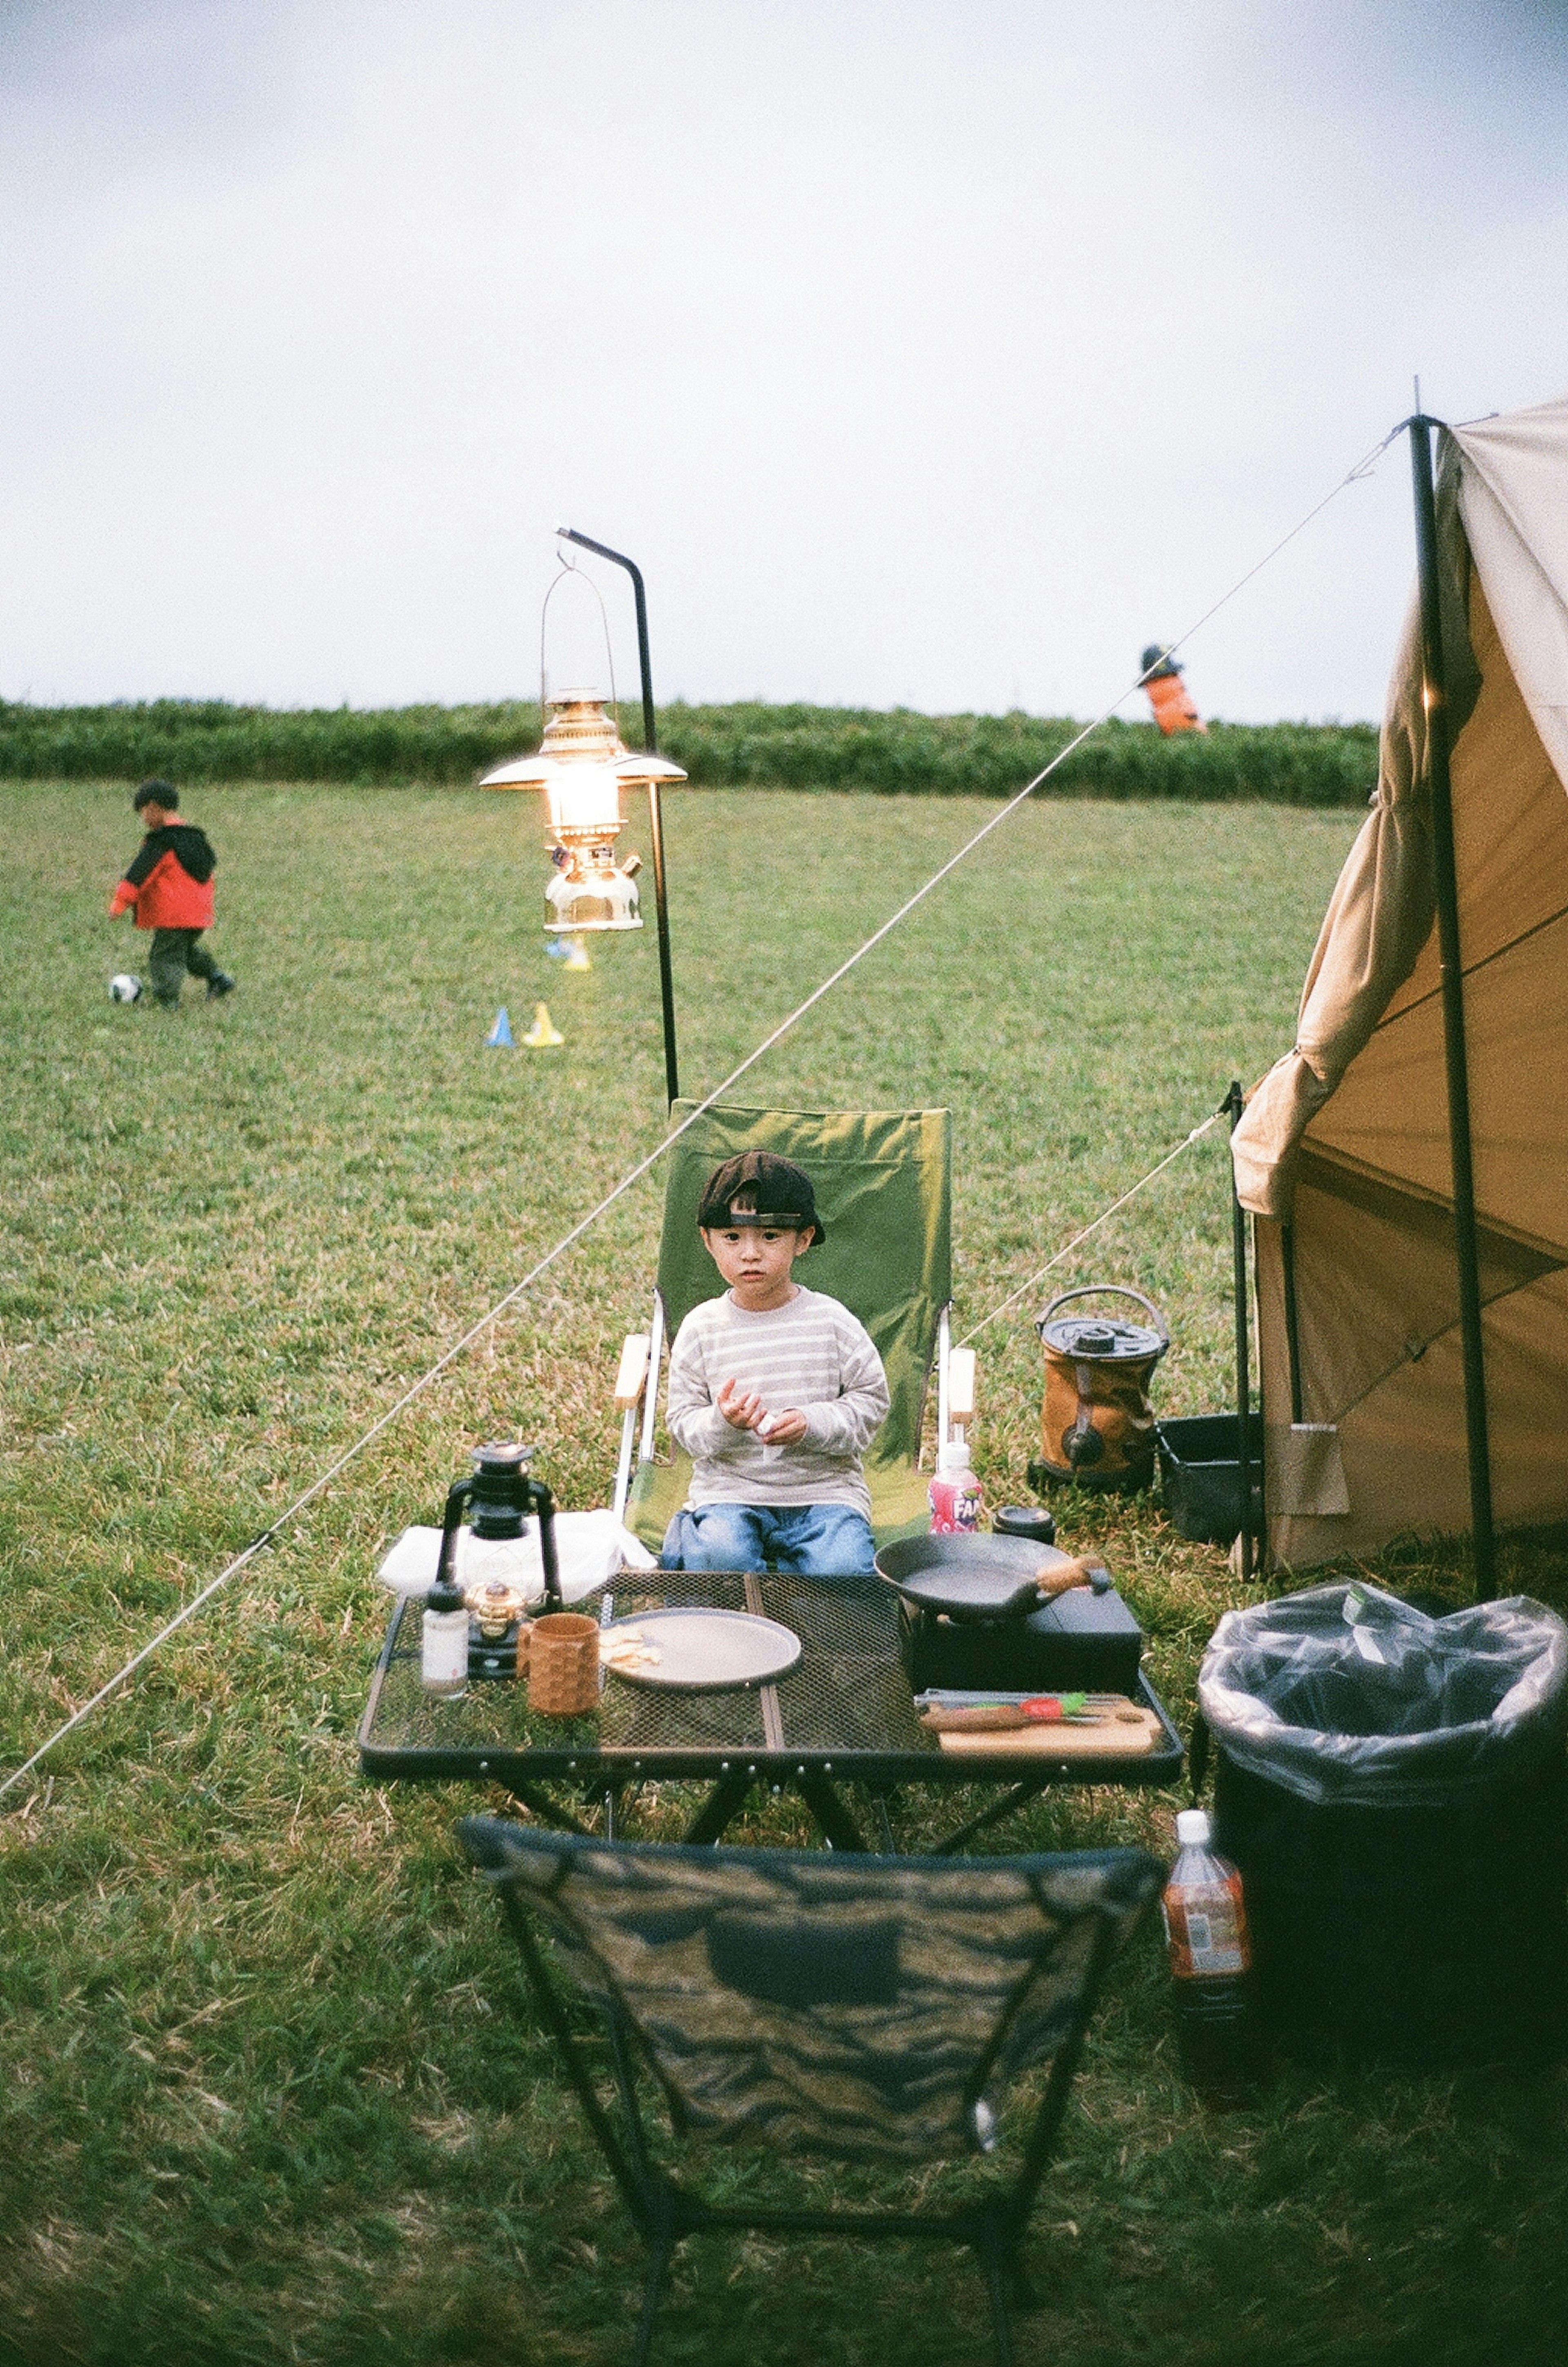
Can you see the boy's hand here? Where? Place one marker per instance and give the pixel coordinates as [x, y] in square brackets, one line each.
[742, 1408]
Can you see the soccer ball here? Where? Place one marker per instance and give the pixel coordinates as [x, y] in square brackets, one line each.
[123, 988]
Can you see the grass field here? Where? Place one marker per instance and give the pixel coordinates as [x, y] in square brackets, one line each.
[268, 2092]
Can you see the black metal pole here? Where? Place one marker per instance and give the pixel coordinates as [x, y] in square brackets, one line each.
[656, 812]
[662, 911]
[1467, 1258]
[1292, 1323]
[1232, 1103]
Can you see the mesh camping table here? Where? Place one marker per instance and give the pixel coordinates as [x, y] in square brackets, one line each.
[843, 1714]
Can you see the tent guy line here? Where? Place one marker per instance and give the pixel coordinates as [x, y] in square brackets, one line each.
[635, 1174]
[1355, 476]
[1093, 1225]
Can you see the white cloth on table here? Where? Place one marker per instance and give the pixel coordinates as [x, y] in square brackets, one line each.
[590, 1548]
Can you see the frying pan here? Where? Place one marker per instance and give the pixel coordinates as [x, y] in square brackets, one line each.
[974, 1576]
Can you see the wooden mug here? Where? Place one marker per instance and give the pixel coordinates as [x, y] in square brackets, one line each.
[563, 1664]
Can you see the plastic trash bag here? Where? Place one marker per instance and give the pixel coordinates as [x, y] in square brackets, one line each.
[1343, 1695]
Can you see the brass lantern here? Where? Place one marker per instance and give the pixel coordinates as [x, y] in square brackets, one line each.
[581, 766]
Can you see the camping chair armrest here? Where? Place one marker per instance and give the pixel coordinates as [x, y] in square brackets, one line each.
[630, 1381]
[632, 1372]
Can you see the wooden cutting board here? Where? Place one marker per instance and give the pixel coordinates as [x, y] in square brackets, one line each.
[1116, 1738]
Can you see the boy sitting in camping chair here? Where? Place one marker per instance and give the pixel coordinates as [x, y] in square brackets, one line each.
[883, 1180]
[774, 1392]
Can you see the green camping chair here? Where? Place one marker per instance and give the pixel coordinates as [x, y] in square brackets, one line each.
[864, 2009]
[882, 1182]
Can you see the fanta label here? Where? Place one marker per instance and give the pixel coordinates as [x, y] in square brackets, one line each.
[955, 1507]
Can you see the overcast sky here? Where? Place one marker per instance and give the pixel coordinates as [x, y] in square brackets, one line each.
[939, 352]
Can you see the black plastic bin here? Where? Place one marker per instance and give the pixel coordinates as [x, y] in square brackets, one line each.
[1200, 1469]
[1429, 1936]
[1406, 1883]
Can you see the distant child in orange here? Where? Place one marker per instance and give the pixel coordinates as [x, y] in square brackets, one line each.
[169, 888]
[1168, 695]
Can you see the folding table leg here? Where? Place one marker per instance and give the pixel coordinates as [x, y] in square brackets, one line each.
[723, 1804]
[1018, 1797]
[539, 1804]
[837, 1826]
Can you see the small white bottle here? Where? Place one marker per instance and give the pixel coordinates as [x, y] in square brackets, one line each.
[444, 1642]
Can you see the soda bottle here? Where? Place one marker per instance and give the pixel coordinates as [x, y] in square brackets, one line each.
[1210, 1966]
[955, 1493]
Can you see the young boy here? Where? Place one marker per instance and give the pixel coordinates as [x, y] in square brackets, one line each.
[775, 1392]
[170, 885]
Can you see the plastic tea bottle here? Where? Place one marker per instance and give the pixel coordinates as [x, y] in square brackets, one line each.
[1211, 1966]
[443, 1641]
[955, 1493]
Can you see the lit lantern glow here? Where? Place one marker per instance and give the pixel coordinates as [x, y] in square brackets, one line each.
[581, 766]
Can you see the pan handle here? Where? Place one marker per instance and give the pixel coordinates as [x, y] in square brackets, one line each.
[1066, 1575]
[1108, 1290]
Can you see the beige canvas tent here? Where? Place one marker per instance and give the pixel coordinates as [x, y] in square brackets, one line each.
[1344, 1153]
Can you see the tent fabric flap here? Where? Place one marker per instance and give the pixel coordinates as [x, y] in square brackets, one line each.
[1343, 1153]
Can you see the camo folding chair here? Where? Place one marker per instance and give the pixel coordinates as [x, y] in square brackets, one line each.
[884, 1184]
[870, 2010]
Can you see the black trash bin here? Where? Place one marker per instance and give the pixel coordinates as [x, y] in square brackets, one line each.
[1394, 1792]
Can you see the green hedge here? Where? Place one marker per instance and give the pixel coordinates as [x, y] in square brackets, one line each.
[889, 753]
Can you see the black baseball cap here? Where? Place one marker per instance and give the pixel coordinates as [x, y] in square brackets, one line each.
[782, 1191]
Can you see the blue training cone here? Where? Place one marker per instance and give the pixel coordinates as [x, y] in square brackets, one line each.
[500, 1036]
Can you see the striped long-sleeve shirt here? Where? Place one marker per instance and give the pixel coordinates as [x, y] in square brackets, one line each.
[812, 1356]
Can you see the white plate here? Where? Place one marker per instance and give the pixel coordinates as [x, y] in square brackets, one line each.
[703, 1651]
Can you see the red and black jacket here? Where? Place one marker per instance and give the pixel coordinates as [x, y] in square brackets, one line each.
[170, 883]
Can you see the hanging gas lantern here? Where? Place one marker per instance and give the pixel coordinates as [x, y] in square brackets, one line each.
[581, 766]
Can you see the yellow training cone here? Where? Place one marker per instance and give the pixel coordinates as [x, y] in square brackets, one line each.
[543, 1033]
[576, 955]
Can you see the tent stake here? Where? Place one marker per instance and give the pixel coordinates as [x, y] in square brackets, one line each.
[1234, 1103]
[1466, 1252]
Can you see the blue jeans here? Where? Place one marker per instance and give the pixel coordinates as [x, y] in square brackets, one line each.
[807, 1540]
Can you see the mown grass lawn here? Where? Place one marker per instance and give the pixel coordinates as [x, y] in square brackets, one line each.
[269, 2090]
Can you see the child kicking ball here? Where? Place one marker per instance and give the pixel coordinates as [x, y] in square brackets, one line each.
[169, 888]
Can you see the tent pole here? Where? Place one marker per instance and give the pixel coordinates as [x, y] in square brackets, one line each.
[1293, 1324]
[1466, 1252]
[1234, 1105]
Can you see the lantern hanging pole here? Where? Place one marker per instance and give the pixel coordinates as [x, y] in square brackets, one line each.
[655, 810]
[1467, 1257]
